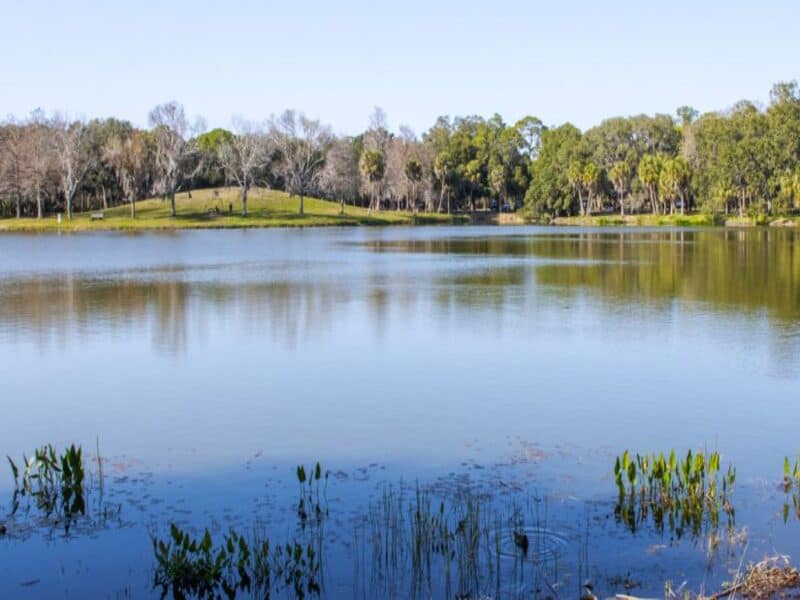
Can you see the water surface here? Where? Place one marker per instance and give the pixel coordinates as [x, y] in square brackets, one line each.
[209, 363]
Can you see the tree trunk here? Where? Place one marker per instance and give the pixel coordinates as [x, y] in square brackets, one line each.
[683, 203]
[172, 201]
[244, 201]
[68, 198]
[38, 202]
[301, 203]
[133, 207]
[19, 207]
[580, 203]
[622, 204]
[105, 198]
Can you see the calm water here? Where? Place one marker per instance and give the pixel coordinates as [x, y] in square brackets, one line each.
[209, 364]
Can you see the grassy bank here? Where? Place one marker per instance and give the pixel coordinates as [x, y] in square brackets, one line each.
[695, 220]
[210, 209]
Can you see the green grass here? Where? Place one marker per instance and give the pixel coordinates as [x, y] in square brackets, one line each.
[648, 220]
[266, 208]
[693, 220]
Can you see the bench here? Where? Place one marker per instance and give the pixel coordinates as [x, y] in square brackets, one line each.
[98, 216]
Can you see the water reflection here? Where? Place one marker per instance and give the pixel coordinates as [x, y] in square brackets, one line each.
[59, 309]
[730, 269]
[754, 272]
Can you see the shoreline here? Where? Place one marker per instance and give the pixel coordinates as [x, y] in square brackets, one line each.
[220, 208]
[83, 223]
[692, 220]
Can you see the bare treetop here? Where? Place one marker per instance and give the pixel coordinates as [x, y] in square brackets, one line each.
[174, 151]
[302, 144]
[244, 156]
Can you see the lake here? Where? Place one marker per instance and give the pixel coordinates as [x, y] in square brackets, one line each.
[513, 363]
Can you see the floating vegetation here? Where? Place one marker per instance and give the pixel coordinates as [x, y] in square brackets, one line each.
[197, 568]
[681, 494]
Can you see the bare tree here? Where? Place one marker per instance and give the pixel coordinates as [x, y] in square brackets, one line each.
[12, 145]
[72, 156]
[174, 153]
[38, 159]
[128, 157]
[341, 178]
[401, 150]
[302, 144]
[243, 156]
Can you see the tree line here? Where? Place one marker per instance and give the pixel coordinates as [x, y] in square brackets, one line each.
[745, 160]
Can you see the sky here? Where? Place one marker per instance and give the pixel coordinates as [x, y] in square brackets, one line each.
[568, 60]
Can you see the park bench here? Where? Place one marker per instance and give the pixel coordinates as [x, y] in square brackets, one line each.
[97, 216]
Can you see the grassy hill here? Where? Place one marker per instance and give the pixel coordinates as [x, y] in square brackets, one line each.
[266, 208]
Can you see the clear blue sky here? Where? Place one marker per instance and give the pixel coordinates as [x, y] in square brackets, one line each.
[577, 61]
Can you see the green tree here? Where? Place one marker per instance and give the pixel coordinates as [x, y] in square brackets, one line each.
[551, 189]
[620, 175]
[649, 174]
[674, 180]
[414, 173]
[373, 169]
[590, 177]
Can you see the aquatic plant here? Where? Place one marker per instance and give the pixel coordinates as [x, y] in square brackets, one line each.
[298, 567]
[419, 538]
[188, 567]
[791, 485]
[312, 496]
[197, 568]
[681, 493]
[53, 482]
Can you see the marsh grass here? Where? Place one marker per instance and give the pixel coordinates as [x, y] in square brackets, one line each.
[420, 543]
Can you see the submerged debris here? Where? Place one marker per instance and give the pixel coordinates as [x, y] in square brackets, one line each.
[771, 577]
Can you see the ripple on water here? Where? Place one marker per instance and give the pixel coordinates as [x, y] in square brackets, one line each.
[542, 544]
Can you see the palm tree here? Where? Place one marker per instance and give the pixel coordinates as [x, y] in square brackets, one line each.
[575, 178]
[591, 181]
[413, 172]
[620, 175]
[442, 169]
[649, 173]
[373, 168]
[673, 180]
